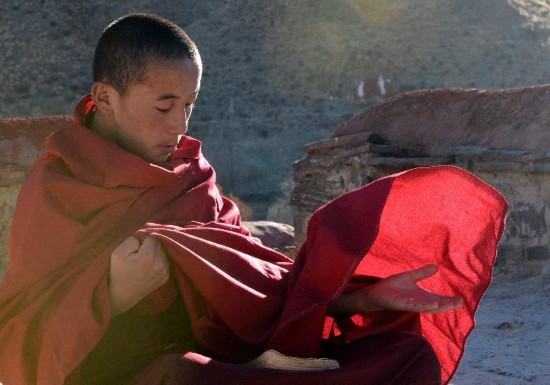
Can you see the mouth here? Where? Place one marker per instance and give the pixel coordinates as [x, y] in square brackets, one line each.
[168, 149]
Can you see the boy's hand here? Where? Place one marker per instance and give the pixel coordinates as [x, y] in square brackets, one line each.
[401, 292]
[396, 292]
[136, 271]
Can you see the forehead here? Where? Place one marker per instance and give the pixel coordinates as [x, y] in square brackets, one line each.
[181, 77]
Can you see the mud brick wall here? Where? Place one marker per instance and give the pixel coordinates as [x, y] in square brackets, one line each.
[21, 142]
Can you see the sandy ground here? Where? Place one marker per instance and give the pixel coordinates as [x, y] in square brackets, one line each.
[511, 343]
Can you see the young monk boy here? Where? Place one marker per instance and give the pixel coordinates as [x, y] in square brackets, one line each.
[128, 267]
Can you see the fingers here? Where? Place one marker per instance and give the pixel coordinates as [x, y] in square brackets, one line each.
[450, 303]
[129, 246]
[149, 246]
[445, 304]
[152, 246]
[152, 249]
[438, 303]
[136, 271]
[422, 273]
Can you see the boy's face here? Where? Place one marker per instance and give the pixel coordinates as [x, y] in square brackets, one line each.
[151, 117]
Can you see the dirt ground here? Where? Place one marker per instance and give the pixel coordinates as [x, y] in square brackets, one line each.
[509, 346]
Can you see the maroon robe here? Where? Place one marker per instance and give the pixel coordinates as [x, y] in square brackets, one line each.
[85, 195]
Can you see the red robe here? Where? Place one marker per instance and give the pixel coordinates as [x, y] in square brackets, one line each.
[85, 195]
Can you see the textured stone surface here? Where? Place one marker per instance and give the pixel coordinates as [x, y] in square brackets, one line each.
[501, 136]
[435, 121]
[8, 196]
[21, 142]
[278, 236]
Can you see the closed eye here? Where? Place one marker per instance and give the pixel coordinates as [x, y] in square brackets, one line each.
[163, 109]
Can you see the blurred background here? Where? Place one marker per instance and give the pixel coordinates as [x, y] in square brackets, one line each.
[281, 73]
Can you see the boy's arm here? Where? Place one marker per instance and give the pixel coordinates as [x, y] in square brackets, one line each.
[136, 271]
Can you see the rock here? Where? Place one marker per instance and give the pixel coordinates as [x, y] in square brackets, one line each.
[278, 236]
[438, 120]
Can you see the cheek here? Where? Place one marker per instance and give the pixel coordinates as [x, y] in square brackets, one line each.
[156, 124]
[129, 117]
[139, 128]
[144, 121]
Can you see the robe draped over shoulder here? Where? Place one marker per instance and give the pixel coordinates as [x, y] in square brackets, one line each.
[85, 195]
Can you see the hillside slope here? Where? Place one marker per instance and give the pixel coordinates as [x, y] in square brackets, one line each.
[280, 73]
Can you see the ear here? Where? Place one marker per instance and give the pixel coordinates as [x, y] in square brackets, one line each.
[103, 95]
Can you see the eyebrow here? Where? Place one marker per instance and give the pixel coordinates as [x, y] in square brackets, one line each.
[170, 96]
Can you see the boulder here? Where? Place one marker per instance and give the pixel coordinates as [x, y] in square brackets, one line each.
[278, 236]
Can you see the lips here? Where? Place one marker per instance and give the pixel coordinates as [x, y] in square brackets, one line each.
[169, 148]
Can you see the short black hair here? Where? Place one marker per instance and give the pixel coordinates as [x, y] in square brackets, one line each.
[133, 41]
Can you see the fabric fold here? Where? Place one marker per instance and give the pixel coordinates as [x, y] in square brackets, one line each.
[83, 198]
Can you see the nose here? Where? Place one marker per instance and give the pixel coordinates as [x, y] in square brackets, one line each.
[178, 125]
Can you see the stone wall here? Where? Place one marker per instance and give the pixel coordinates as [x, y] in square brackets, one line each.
[21, 142]
[501, 136]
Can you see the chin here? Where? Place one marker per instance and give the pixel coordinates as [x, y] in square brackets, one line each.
[157, 160]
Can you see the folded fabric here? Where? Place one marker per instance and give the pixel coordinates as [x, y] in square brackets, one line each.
[86, 195]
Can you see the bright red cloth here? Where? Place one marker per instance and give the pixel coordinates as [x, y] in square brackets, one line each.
[86, 195]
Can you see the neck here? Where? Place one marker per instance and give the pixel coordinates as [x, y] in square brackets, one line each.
[103, 126]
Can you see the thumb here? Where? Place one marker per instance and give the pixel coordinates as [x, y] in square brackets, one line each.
[129, 246]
